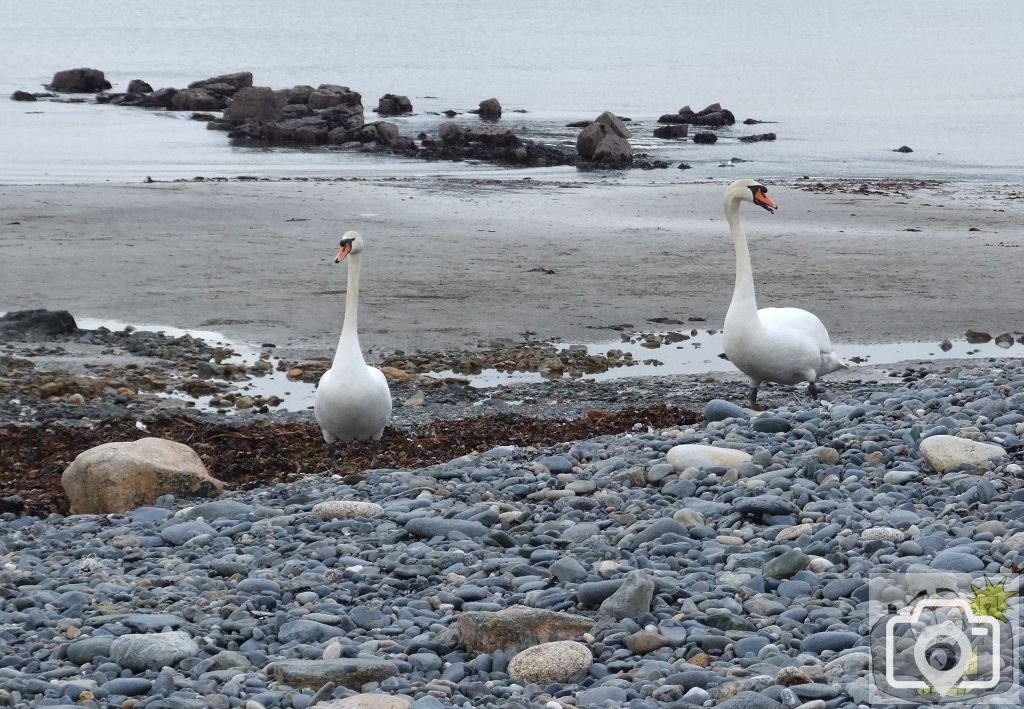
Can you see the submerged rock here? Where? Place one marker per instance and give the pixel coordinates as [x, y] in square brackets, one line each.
[81, 80]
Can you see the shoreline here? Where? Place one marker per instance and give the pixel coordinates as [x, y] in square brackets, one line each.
[474, 262]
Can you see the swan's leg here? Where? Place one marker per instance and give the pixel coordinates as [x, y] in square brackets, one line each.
[752, 401]
[373, 452]
[812, 390]
[332, 454]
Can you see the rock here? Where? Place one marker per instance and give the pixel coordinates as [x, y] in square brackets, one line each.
[678, 130]
[614, 151]
[757, 138]
[720, 409]
[518, 627]
[393, 105]
[771, 424]
[197, 100]
[977, 337]
[765, 506]
[36, 324]
[631, 600]
[23, 96]
[138, 86]
[698, 455]
[833, 640]
[616, 124]
[346, 509]
[85, 649]
[127, 686]
[750, 700]
[430, 527]
[347, 672]
[1004, 341]
[79, 81]
[903, 149]
[645, 641]
[949, 560]
[786, 565]
[257, 104]
[417, 399]
[684, 166]
[239, 80]
[887, 534]
[490, 109]
[790, 676]
[119, 476]
[368, 701]
[559, 661]
[161, 98]
[142, 651]
[330, 95]
[451, 132]
[705, 137]
[945, 452]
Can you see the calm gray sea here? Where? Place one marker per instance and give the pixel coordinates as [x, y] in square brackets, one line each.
[846, 82]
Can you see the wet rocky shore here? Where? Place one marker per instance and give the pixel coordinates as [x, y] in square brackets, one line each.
[562, 544]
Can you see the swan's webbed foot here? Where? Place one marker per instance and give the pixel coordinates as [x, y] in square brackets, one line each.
[813, 391]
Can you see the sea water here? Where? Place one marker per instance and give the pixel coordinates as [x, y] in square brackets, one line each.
[844, 83]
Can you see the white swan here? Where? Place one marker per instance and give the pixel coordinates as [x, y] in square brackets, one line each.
[782, 345]
[353, 402]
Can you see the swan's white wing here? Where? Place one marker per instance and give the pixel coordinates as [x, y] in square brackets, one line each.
[800, 322]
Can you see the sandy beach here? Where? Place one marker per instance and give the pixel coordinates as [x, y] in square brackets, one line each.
[453, 262]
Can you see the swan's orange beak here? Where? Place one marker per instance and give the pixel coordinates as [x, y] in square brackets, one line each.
[344, 250]
[762, 199]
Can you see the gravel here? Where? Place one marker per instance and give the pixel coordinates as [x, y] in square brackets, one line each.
[702, 584]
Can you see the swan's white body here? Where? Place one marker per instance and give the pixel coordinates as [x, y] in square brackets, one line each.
[353, 402]
[782, 345]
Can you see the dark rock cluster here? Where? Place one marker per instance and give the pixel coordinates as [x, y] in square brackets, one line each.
[714, 116]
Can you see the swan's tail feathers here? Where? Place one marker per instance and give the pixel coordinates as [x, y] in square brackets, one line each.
[831, 362]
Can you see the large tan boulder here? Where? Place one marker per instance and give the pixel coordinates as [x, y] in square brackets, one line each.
[120, 476]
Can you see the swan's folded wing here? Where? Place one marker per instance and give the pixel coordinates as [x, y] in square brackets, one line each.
[798, 320]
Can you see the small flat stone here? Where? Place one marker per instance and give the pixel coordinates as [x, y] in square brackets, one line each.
[348, 672]
[697, 455]
[346, 509]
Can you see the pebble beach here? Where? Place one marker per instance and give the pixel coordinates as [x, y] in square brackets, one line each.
[639, 570]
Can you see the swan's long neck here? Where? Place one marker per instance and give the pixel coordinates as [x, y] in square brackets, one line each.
[348, 343]
[744, 303]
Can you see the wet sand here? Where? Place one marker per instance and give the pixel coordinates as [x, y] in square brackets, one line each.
[454, 262]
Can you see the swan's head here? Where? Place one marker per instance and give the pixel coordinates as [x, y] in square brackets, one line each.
[750, 191]
[351, 243]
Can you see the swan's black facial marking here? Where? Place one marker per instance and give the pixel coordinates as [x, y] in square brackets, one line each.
[761, 199]
[344, 249]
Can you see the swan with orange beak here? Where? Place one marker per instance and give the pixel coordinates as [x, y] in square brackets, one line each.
[782, 345]
[353, 401]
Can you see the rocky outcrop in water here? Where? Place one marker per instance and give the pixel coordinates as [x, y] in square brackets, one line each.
[714, 116]
[489, 110]
[393, 105]
[79, 81]
[36, 324]
[758, 138]
[605, 143]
